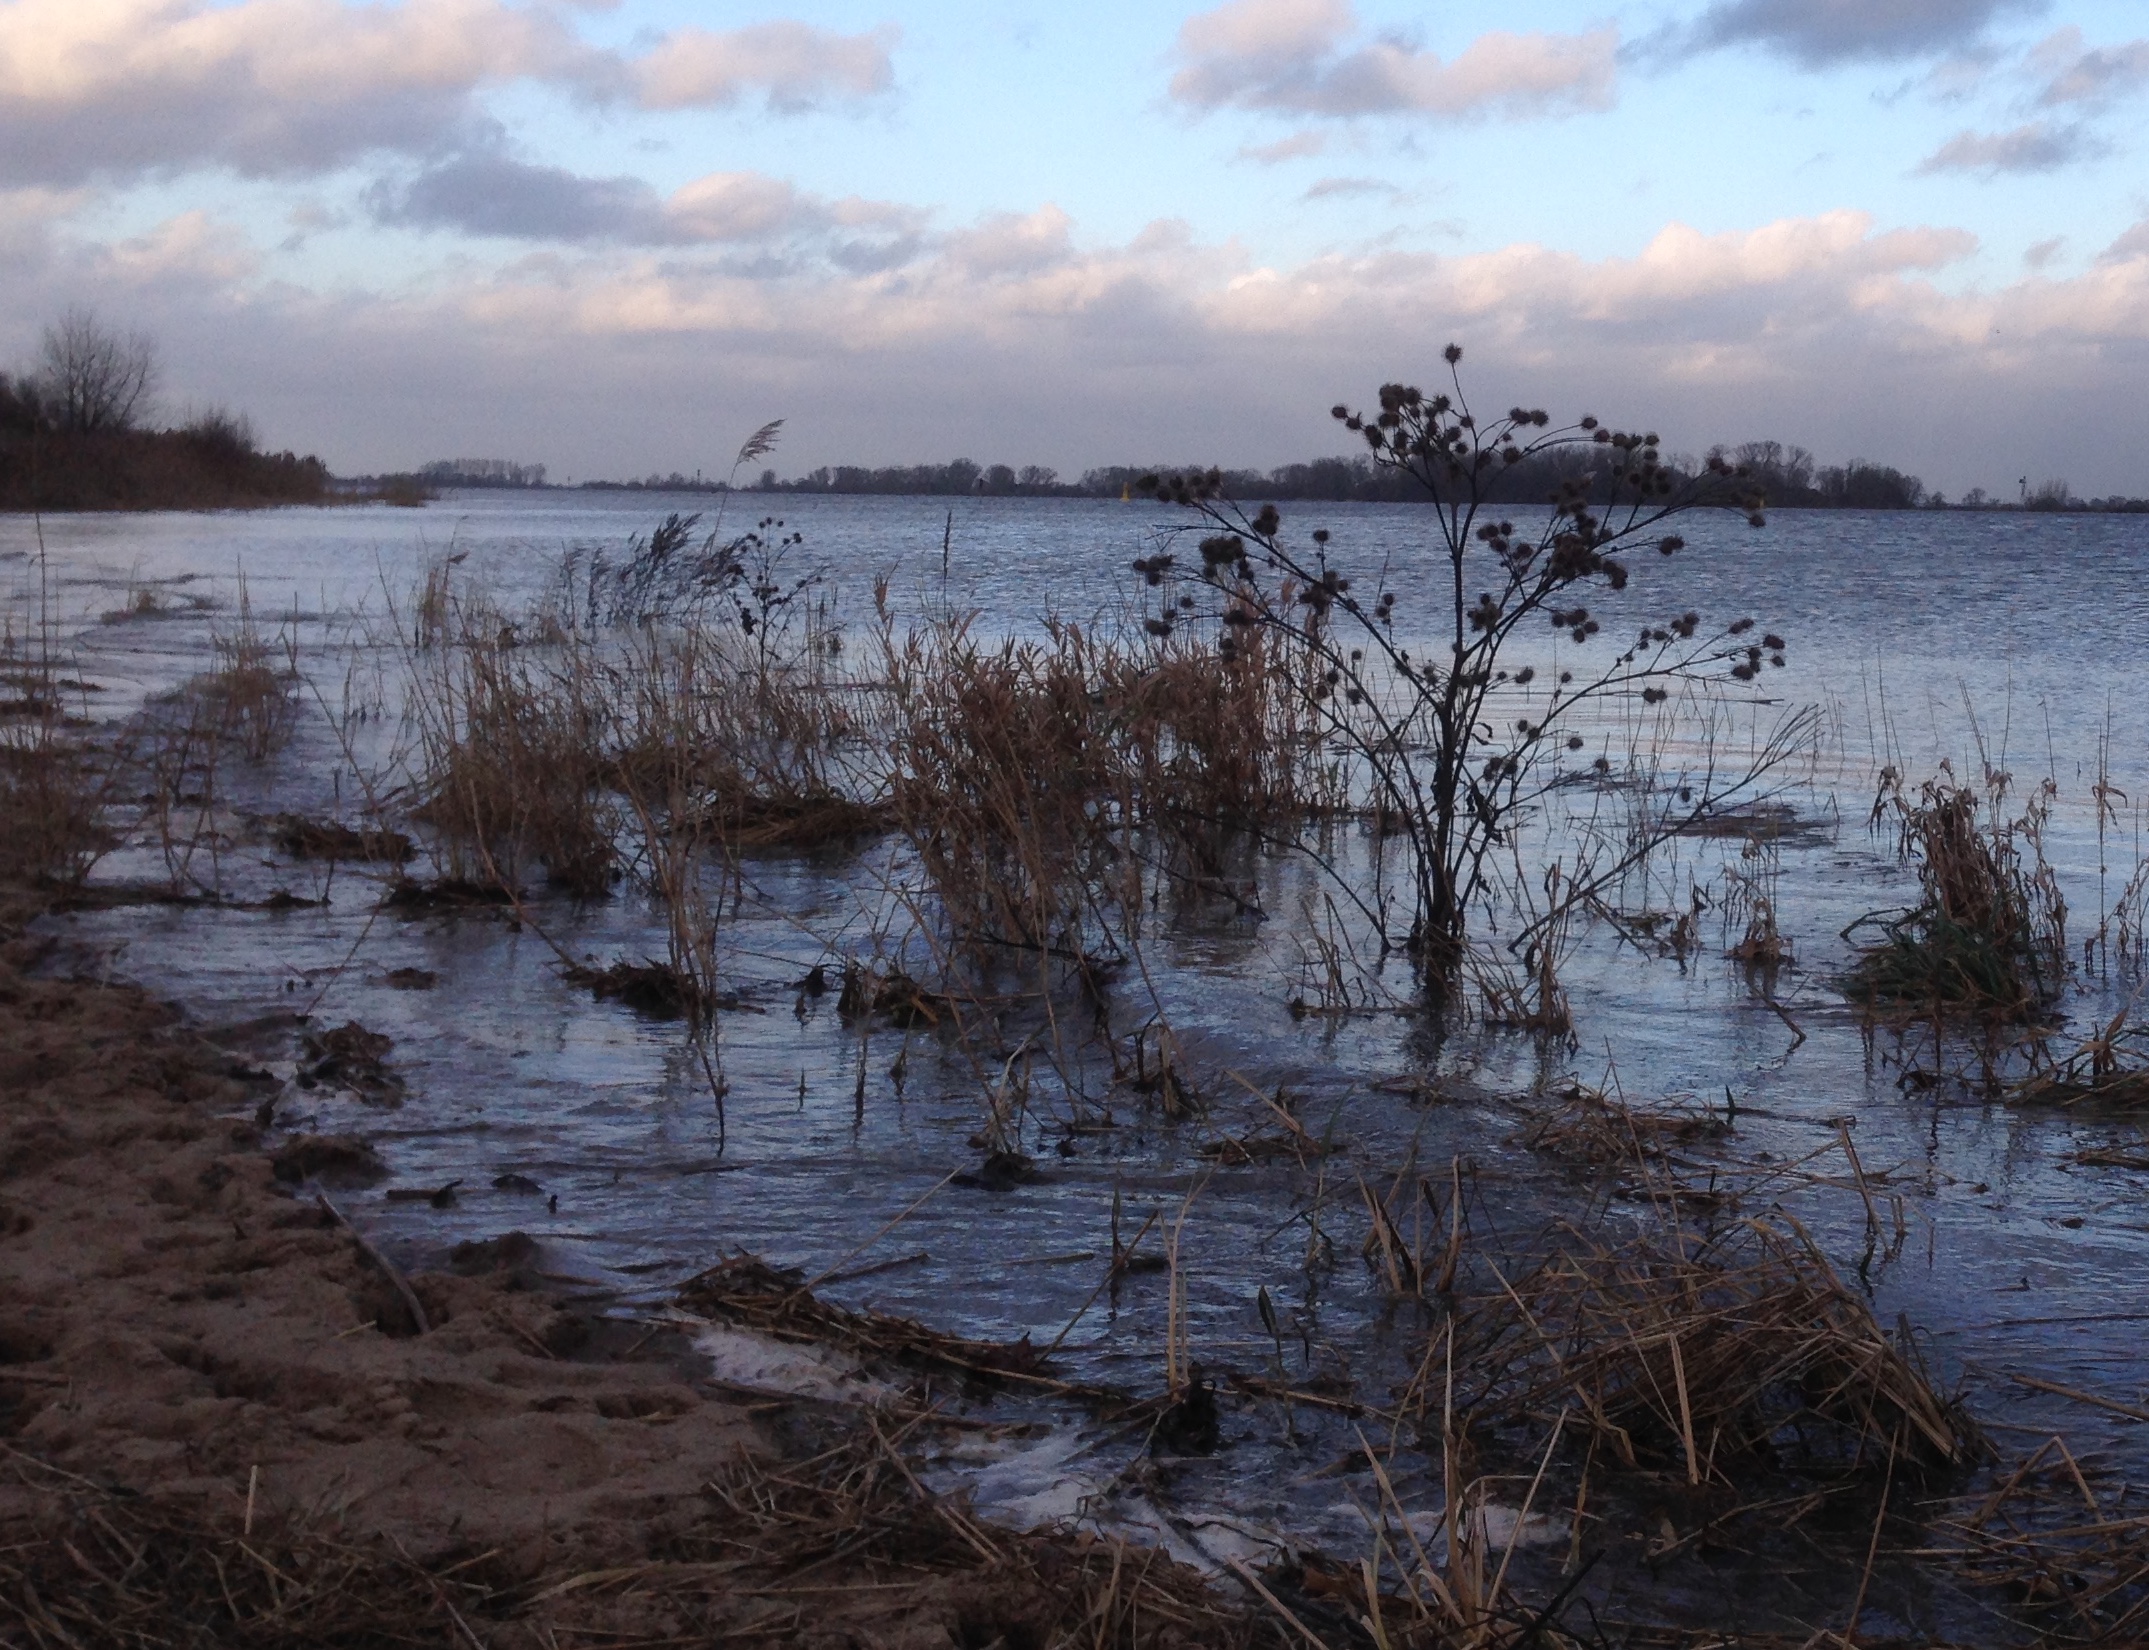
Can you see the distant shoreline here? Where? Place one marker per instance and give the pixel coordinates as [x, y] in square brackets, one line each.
[673, 488]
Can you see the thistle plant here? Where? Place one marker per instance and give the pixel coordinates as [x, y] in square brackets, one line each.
[1458, 740]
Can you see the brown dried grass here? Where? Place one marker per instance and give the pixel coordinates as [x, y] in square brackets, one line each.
[845, 1546]
[1712, 1355]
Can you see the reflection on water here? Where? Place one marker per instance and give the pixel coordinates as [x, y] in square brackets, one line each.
[1988, 642]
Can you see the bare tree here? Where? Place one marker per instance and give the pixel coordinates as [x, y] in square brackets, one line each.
[90, 377]
[1458, 745]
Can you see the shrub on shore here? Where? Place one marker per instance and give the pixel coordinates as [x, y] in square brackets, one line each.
[74, 436]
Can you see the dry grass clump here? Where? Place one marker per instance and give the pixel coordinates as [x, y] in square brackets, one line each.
[253, 690]
[679, 701]
[304, 838]
[1989, 934]
[744, 739]
[511, 742]
[53, 792]
[2045, 1539]
[1713, 1356]
[1008, 787]
[747, 1290]
[114, 1570]
[661, 990]
[2109, 1069]
[1590, 1127]
[55, 782]
[864, 1551]
[1053, 788]
[1219, 741]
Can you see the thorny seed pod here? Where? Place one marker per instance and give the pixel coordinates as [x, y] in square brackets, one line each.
[1574, 741]
[1654, 696]
[1739, 627]
[1773, 642]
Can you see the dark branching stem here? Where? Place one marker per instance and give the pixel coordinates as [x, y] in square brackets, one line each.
[1428, 729]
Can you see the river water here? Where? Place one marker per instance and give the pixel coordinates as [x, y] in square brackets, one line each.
[1978, 643]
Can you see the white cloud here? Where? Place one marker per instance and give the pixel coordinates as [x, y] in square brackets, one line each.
[2075, 74]
[1297, 146]
[1007, 244]
[192, 248]
[2130, 247]
[487, 194]
[1294, 56]
[1350, 189]
[126, 88]
[1013, 338]
[798, 66]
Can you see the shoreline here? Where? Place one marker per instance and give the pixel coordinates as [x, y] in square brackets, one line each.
[195, 1358]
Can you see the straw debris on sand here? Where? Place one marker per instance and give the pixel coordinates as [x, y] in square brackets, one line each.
[748, 1291]
[842, 1548]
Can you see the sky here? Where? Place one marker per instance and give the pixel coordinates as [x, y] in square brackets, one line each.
[615, 236]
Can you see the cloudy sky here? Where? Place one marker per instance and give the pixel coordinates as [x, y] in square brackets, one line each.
[613, 236]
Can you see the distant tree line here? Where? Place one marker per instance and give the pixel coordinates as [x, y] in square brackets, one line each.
[74, 435]
[1786, 476]
[481, 472]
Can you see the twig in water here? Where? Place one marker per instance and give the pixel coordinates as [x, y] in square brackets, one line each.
[812, 1283]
